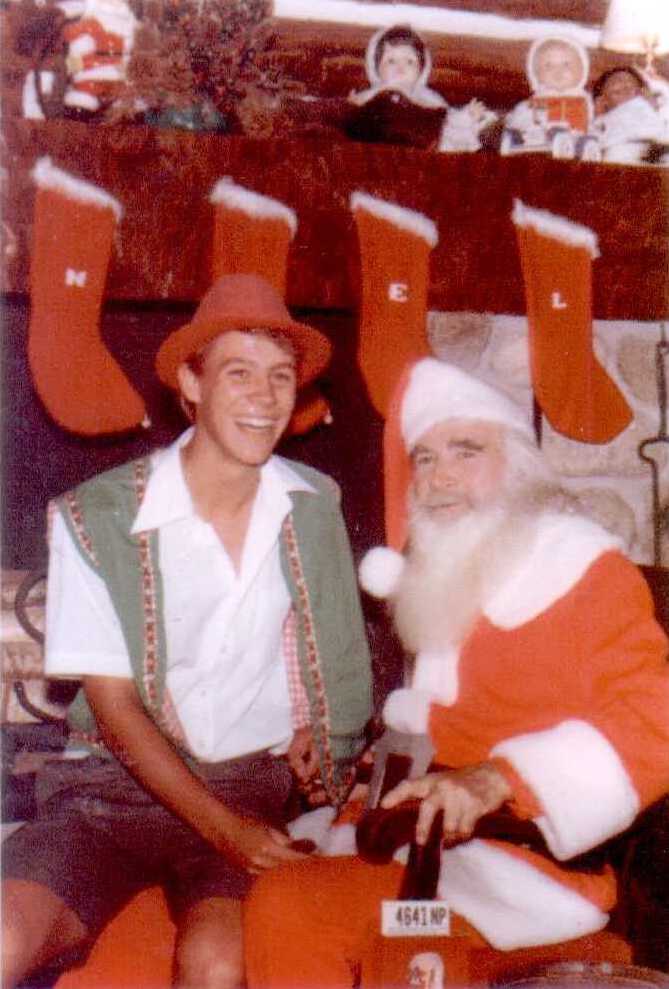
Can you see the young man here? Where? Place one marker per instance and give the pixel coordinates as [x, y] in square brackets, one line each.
[540, 676]
[206, 598]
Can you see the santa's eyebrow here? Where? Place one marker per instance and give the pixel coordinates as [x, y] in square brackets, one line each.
[466, 444]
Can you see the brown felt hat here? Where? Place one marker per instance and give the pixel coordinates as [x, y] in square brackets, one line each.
[242, 302]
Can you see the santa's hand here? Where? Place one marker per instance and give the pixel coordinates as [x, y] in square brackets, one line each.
[464, 796]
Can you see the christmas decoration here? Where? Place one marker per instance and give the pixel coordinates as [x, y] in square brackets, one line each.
[574, 391]
[74, 374]
[194, 61]
[395, 246]
[252, 235]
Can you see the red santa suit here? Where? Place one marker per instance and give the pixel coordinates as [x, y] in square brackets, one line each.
[564, 677]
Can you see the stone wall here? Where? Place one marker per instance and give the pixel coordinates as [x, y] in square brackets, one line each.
[614, 484]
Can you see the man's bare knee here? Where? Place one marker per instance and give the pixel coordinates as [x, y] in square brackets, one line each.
[209, 952]
[36, 927]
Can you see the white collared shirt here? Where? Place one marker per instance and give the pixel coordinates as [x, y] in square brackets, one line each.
[225, 670]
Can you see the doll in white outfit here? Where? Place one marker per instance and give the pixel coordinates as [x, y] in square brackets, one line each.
[627, 119]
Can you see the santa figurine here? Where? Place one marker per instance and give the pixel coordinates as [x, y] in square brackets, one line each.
[557, 116]
[99, 43]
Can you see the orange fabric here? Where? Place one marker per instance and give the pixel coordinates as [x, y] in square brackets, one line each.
[133, 952]
[248, 244]
[574, 391]
[572, 110]
[387, 960]
[597, 651]
[396, 467]
[75, 376]
[395, 278]
[313, 925]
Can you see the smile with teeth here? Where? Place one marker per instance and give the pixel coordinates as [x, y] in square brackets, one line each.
[256, 423]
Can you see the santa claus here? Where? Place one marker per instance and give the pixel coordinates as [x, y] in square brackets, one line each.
[540, 675]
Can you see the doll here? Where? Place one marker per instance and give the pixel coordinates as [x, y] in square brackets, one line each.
[626, 118]
[398, 59]
[557, 116]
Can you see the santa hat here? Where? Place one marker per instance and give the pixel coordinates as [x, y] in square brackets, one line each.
[429, 392]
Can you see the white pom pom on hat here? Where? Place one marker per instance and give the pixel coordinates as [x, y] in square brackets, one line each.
[437, 391]
[380, 571]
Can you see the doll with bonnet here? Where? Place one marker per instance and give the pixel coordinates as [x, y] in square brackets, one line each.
[557, 116]
[398, 59]
[398, 65]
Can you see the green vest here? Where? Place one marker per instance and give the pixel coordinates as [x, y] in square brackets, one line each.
[318, 568]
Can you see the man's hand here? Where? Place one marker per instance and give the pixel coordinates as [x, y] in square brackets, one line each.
[464, 795]
[256, 846]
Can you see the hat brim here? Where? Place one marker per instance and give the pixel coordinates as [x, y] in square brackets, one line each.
[313, 347]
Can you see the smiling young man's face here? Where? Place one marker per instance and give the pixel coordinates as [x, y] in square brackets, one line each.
[244, 395]
[458, 466]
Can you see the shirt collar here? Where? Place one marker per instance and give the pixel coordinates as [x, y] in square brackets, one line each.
[168, 499]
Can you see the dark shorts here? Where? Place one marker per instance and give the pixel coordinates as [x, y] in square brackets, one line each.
[99, 838]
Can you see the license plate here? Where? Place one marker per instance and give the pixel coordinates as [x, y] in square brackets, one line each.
[414, 918]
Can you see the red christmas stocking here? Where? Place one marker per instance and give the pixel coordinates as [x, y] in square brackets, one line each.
[395, 246]
[252, 235]
[396, 467]
[74, 374]
[574, 391]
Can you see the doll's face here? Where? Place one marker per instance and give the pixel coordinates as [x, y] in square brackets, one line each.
[557, 66]
[619, 88]
[399, 64]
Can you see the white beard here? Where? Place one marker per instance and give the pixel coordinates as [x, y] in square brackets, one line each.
[452, 569]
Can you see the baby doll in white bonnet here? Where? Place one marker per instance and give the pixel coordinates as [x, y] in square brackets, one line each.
[557, 117]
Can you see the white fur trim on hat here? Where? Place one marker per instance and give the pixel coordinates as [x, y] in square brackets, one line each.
[576, 46]
[380, 571]
[558, 227]
[406, 219]
[235, 196]
[48, 176]
[438, 391]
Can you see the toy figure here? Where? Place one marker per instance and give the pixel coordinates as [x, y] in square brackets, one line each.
[398, 59]
[626, 118]
[99, 45]
[398, 66]
[556, 118]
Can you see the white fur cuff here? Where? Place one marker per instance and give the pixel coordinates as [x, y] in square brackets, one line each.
[580, 781]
